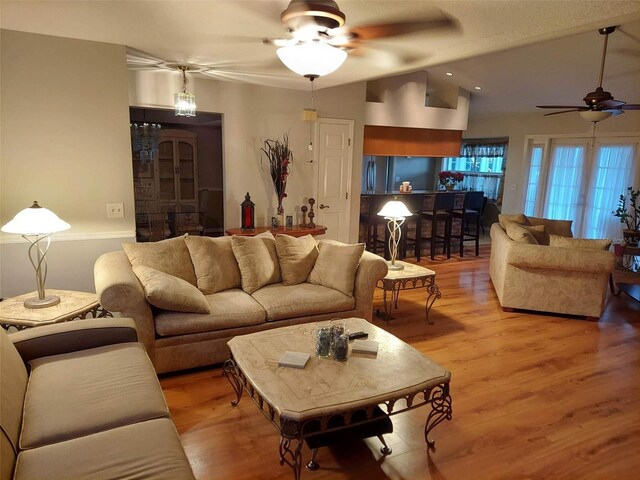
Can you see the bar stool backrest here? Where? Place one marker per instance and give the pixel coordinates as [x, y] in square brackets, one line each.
[474, 201]
[444, 201]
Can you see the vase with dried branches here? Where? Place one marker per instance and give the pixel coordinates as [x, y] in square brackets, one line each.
[280, 158]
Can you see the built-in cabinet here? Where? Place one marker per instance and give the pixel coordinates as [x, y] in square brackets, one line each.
[177, 168]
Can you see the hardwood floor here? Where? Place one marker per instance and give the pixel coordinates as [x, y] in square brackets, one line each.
[534, 396]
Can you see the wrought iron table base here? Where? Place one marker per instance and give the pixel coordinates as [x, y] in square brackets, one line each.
[292, 433]
[394, 287]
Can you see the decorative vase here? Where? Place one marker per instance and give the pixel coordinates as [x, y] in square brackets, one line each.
[449, 186]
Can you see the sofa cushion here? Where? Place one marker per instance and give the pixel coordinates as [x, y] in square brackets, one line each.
[288, 301]
[566, 242]
[169, 256]
[257, 259]
[215, 265]
[89, 391]
[170, 293]
[13, 386]
[149, 449]
[296, 256]
[336, 265]
[553, 227]
[524, 233]
[519, 218]
[229, 309]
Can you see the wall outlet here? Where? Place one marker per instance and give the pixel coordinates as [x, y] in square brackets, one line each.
[115, 210]
[513, 187]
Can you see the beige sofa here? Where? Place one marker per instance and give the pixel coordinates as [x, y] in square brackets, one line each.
[80, 400]
[547, 278]
[179, 340]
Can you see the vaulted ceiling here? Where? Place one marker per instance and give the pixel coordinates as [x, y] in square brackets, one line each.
[521, 53]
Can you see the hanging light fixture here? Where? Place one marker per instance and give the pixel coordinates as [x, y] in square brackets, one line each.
[312, 58]
[144, 140]
[185, 103]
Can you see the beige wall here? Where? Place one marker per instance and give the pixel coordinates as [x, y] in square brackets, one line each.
[517, 126]
[250, 114]
[65, 142]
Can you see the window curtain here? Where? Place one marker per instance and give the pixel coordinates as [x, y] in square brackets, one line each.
[565, 181]
[489, 184]
[613, 172]
[482, 149]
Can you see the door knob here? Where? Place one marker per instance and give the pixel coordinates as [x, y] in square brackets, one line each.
[323, 206]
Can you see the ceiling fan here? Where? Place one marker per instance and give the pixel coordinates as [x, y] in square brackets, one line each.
[600, 104]
[320, 40]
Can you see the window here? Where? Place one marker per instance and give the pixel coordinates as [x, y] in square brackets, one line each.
[534, 180]
[581, 179]
[483, 165]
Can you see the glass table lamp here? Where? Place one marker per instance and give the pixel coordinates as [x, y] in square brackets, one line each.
[396, 212]
[36, 224]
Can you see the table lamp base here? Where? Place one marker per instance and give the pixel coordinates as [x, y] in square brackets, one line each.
[47, 301]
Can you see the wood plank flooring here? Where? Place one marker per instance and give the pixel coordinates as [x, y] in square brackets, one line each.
[534, 397]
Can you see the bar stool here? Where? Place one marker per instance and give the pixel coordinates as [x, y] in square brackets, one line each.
[471, 210]
[369, 218]
[440, 214]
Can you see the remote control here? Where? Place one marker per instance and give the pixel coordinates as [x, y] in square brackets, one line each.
[354, 335]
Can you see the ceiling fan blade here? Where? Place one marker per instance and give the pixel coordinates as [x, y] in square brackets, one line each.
[565, 111]
[615, 111]
[394, 29]
[630, 106]
[606, 104]
[562, 106]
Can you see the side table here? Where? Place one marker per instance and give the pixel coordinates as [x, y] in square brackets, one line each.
[409, 278]
[73, 305]
[627, 274]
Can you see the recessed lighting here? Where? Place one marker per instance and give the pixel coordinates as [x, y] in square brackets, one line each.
[477, 88]
[449, 74]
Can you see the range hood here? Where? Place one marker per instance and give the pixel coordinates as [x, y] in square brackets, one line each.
[408, 115]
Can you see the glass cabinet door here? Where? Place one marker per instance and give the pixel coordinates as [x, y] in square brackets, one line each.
[166, 171]
[187, 170]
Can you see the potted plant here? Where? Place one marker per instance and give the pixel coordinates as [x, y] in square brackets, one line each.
[280, 159]
[450, 179]
[629, 215]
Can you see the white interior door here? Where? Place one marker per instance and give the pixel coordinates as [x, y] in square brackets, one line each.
[335, 156]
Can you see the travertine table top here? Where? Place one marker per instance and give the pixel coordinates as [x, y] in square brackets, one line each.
[71, 305]
[409, 271]
[326, 386]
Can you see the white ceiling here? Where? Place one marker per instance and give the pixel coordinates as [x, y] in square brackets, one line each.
[522, 52]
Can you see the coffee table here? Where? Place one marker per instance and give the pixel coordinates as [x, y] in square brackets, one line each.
[327, 395]
[410, 277]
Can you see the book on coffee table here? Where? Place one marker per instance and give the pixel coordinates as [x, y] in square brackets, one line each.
[365, 346]
[294, 359]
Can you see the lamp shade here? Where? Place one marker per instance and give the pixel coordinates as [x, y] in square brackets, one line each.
[395, 209]
[595, 115]
[35, 220]
[312, 58]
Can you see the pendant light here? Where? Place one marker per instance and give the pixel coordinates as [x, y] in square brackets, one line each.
[185, 103]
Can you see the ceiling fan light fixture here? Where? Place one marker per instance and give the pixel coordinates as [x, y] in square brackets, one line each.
[595, 115]
[312, 59]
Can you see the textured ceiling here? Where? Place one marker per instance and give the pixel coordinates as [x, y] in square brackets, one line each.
[520, 52]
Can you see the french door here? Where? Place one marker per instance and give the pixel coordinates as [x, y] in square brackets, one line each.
[580, 179]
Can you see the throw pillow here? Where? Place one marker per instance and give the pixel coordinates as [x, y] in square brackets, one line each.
[566, 242]
[336, 266]
[215, 265]
[257, 259]
[169, 256]
[518, 233]
[519, 218]
[170, 293]
[296, 256]
[553, 227]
